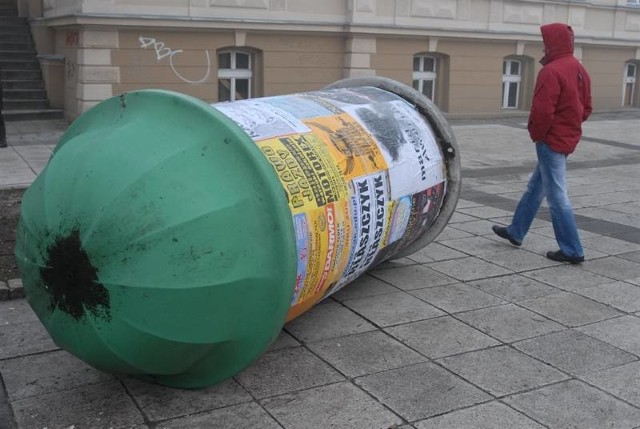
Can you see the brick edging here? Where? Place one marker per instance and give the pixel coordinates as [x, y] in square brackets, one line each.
[11, 289]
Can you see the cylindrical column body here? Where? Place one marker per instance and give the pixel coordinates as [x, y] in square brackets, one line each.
[171, 240]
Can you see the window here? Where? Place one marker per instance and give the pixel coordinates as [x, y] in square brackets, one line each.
[234, 75]
[633, 2]
[629, 84]
[424, 75]
[511, 78]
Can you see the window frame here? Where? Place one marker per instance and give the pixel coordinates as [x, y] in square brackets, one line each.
[629, 80]
[421, 75]
[233, 74]
[507, 79]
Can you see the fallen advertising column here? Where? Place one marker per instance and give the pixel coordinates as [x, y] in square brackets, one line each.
[171, 240]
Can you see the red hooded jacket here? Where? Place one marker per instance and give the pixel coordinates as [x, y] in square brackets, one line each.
[562, 97]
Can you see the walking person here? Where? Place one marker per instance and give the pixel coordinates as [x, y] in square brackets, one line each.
[561, 102]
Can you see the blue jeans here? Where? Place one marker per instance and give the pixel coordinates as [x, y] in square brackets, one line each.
[548, 180]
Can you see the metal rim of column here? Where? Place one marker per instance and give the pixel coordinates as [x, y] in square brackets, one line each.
[445, 138]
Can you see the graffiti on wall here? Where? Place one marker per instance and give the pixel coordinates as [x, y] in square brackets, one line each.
[163, 51]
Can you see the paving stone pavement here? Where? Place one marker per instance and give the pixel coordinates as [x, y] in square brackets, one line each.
[469, 332]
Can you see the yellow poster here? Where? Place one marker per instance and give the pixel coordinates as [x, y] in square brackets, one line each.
[353, 148]
[307, 171]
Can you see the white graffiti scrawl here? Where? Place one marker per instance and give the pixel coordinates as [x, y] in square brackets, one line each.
[163, 51]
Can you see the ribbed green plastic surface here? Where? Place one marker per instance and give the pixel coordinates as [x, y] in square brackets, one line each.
[158, 242]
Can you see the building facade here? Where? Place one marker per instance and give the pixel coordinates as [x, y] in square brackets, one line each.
[475, 57]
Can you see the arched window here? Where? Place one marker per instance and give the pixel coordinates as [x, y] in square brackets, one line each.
[511, 80]
[425, 74]
[235, 75]
[629, 84]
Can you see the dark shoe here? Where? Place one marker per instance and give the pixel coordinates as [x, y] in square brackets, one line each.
[3, 143]
[502, 232]
[558, 256]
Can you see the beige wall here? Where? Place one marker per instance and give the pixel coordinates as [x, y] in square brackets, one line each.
[394, 57]
[176, 61]
[298, 62]
[187, 62]
[303, 45]
[606, 67]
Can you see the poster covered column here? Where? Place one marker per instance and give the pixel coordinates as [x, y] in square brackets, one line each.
[171, 239]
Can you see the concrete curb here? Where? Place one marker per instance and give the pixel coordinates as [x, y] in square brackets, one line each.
[11, 289]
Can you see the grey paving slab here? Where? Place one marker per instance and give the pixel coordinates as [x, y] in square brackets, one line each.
[631, 256]
[492, 415]
[547, 231]
[621, 332]
[442, 336]
[36, 156]
[535, 243]
[615, 268]
[366, 353]
[513, 287]
[474, 245]
[383, 309]
[621, 295]
[622, 381]
[502, 370]
[303, 380]
[311, 325]
[499, 189]
[241, 416]
[161, 403]
[611, 200]
[467, 269]
[413, 277]
[495, 138]
[570, 309]
[395, 263]
[461, 217]
[284, 371]
[435, 252]
[16, 311]
[609, 245]
[604, 212]
[35, 375]
[340, 405]
[477, 227]
[517, 260]
[14, 171]
[450, 233]
[420, 391]
[365, 285]
[574, 404]
[568, 277]
[630, 207]
[283, 341]
[456, 297]
[574, 352]
[485, 212]
[506, 220]
[509, 323]
[618, 130]
[462, 203]
[23, 339]
[104, 405]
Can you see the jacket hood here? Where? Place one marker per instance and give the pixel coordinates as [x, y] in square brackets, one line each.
[558, 41]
